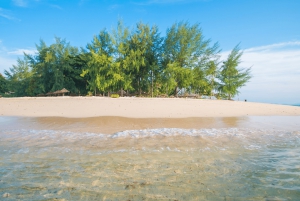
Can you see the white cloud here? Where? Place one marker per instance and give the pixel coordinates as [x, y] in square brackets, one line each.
[27, 3]
[114, 7]
[20, 3]
[150, 2]
[2, 47]
[164, 1]
[274, 46]
[6, 16]
[9, 57]
[81, 2]
[276, 73]
[21, 52]
[6, 63]
[56, 6]
[5, 13]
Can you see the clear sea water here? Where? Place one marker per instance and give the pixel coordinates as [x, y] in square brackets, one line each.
[240, 162]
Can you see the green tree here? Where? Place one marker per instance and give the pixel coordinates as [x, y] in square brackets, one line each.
[144, 54]
[3, 84]
[206, 70]
[79, 62]
[185, 53]
[211, 71]
[139, 61]
[231, 76]
[19, 77]
[199, 82]
[51, 67]
[99, 66]
[120, 68]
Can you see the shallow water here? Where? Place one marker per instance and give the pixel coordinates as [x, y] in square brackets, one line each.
[149, 164]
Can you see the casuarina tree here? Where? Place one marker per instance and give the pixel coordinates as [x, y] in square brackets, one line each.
[231, 76]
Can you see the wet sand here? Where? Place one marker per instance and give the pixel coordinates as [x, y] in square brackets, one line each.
[42, 160]
[110, 125]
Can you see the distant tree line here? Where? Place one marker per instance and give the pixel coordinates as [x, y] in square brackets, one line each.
[137, 62]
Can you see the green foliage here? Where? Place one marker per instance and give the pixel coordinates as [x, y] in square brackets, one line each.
[115, 96]
[57, 66]
[145, 49]
[90, 93]
[121, 64]
[98, 68]
[138, 62]
[19, 78]
[207, 78]
[3, 84]
[77, 63]
[185, 54]
[231, 76]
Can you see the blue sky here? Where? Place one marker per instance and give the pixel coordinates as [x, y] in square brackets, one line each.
[268, 31]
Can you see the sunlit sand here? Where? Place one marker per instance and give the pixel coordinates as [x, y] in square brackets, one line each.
[138, 107]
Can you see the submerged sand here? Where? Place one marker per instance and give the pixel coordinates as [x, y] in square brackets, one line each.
[71, 148]
[82, 107]
[110, 125]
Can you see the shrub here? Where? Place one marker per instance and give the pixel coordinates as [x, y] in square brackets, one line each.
[114, 96]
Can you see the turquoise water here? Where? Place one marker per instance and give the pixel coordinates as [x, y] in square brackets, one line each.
[150, 164]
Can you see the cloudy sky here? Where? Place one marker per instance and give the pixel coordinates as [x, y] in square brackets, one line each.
[268, 32]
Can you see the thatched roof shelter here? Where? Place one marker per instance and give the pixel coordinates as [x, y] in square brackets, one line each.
[63, 91]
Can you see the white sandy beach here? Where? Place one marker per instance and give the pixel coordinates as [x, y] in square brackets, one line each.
[81, 107]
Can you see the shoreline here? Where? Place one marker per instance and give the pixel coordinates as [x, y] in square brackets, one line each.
[85, 107]
[111, 124]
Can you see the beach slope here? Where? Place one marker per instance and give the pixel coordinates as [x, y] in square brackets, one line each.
[81, 107]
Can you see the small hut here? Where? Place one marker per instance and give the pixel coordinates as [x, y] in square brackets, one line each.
[122, 92]
[56, 93]
[49, 93]
[63, 91]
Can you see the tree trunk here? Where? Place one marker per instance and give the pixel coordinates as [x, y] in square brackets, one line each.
[140, 87]
[140, 91]
[138, 84]
[212, 88]
[175, 92]
[121, 91]
[152, 84]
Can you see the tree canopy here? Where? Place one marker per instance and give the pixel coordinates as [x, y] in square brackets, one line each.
[232, 77]
[137, 61]
[3, 84]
